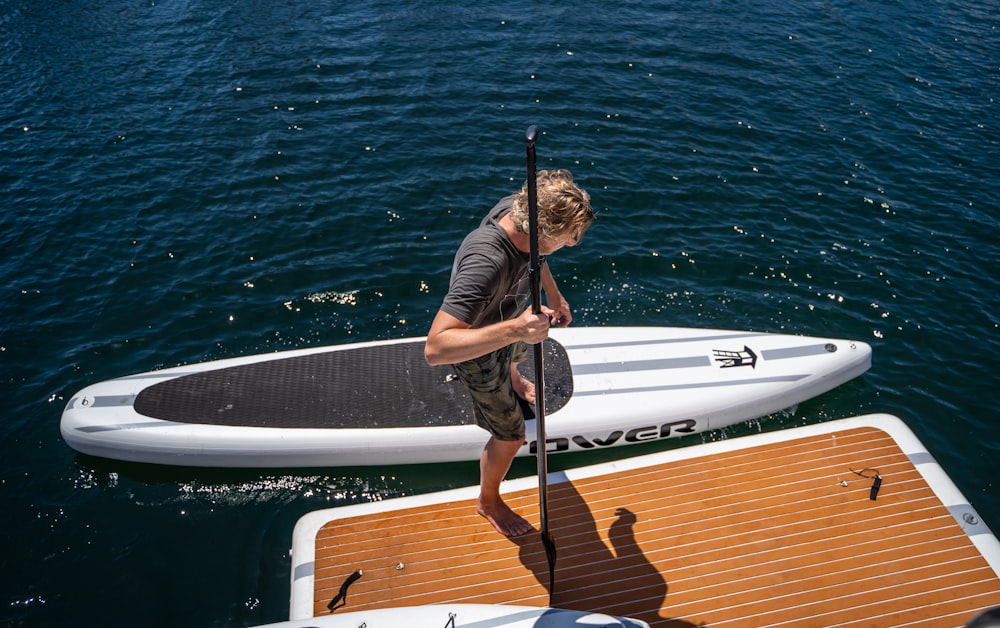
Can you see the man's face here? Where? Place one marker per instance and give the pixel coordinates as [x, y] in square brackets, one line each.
[548, 246]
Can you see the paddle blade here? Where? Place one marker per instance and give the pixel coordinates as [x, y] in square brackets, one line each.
[550, 555]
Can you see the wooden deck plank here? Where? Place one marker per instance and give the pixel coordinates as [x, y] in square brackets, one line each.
[778, 534]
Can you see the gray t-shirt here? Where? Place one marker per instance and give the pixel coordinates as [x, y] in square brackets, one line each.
[489, 279]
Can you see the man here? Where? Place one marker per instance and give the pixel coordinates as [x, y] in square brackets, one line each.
[484, 326]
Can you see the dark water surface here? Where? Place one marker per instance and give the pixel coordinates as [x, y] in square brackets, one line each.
[184, 181]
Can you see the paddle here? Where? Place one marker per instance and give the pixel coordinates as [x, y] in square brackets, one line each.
[535, 277]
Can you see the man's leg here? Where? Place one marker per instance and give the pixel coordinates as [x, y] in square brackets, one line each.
[490, 380]
[493, 466]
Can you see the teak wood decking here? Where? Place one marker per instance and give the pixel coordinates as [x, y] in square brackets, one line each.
[768, 530]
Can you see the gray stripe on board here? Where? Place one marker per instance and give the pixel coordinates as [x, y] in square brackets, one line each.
[719, 384]
[661, 341]
[798, 352]
[968, 519]
[304, 569]
[641, 365]
[122, 426]
[111, 401]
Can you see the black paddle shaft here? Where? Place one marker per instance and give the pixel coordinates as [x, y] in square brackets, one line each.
[535, 277]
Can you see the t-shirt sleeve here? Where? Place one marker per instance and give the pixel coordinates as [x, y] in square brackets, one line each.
[470, 293]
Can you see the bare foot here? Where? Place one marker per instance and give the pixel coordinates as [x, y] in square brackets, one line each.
[506, 521]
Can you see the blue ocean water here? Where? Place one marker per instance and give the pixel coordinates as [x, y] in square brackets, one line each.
[185, 181]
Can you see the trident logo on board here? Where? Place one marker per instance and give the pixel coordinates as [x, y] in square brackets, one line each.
[731, 359]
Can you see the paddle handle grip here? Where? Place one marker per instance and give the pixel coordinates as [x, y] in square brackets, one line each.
[534, 265]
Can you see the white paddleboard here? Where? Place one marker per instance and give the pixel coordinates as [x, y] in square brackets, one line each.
[464, 616]
[378, 403]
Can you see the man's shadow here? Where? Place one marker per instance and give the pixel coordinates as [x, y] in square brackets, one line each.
[589, 575]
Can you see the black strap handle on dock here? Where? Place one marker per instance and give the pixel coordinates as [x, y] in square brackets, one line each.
[535, 278]
[341, 598]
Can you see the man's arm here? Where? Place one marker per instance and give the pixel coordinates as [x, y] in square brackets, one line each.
[561, 315]
[451, 340]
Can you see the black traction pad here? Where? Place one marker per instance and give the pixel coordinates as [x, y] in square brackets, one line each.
[380, 386]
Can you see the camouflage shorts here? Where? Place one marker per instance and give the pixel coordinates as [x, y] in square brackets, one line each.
[495, 405]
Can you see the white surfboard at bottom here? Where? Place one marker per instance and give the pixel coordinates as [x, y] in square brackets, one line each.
[464, 616]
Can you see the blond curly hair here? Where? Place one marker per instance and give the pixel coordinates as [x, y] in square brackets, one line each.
[563, 206]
